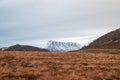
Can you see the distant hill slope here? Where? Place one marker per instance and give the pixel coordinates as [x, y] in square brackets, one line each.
[110, 40]
[18, 47]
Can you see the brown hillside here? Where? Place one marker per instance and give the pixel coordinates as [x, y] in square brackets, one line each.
[108, 41]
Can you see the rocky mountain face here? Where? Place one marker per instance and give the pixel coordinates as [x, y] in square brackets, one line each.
[55, 46]
[18, 47]
[110, 40]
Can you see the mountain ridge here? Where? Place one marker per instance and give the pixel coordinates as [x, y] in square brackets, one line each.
[56, 46]
[19, 47]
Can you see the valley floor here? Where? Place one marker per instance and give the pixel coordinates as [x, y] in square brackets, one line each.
[59, 66]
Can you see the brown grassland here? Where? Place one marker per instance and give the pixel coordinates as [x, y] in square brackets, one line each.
[59, 66]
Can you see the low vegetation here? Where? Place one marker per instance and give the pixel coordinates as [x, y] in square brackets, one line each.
[59, 66]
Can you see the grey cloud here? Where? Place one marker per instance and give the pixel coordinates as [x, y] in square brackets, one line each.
[27, 20]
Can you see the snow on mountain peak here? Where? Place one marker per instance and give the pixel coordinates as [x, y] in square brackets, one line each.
[55, 46]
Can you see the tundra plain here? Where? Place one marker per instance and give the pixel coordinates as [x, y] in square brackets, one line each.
[21, 65]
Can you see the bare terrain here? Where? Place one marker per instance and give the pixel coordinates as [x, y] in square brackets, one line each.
[59, 66]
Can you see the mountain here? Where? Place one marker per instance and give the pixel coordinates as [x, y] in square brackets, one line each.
[18, 47]
[55, 46]
[110, 40]
[3, 48]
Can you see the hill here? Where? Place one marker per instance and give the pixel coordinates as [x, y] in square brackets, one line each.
[110, 40]
[18, 47]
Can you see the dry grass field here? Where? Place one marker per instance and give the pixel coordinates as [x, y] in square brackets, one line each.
[59, 66]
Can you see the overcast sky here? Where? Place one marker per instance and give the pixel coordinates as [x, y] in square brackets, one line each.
[34, 22]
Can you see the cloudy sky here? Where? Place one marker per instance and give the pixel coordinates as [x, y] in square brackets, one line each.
[34, 22]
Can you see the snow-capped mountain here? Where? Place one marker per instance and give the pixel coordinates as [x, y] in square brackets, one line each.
[55, 46]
